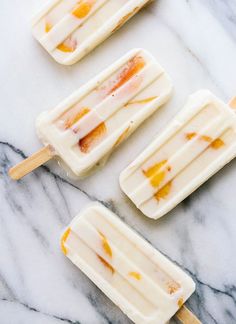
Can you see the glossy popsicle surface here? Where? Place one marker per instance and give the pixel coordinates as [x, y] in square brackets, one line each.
[197, 143]
[85, 128]
[69, 29]
[136, 277]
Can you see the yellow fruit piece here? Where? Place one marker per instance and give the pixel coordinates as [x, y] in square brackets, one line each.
[83, 9]
[48, 27]
[180, 302]
[142, 101]
[189, 136]
[156, 176]
[73, 120]
[163, 192]
[206, 138]
[63, 240]
[217, 143]
[122, 137]
[65, 48]
[173, 287]
[106, 245]
[106, 264]
[132, 67]
[93, 138]
[136, 275]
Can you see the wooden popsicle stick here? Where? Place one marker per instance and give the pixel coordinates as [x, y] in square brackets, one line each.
[31, 163]
[232, 103]
[185, 316]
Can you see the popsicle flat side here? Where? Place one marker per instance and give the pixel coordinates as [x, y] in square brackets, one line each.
[137, 278]
[199, 141]
[86, 127]
[70, 29]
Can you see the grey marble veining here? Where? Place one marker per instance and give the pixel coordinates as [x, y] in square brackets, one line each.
[195, 41]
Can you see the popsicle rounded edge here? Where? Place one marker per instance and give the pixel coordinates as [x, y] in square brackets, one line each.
[93, 41]
[208, 96]
[187, 283]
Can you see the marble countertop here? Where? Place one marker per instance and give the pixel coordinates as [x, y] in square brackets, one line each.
[195, 41]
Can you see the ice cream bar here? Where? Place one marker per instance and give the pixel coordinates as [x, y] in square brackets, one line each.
[197, 143]
[84, 129]
[69, 29]
[146, 286]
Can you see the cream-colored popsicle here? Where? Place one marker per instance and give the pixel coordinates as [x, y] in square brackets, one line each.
[198, 142]
[69, 29]
[140, 280]
[84, 129]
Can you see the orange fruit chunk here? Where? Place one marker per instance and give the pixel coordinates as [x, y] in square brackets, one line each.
[63, 240]
[173, 287]
[122, 137]
[106, 264]
[135, 275]
[206, 138]
[217, 143]
[106, 245]
[132, 68]
[189, 136]
[156, 176]
[180, 302]
[83, 9]
[48, 27]
[142, 101]
[75, 118]
[68, 46]
[163, 192]
[65, 48]
[93, 138]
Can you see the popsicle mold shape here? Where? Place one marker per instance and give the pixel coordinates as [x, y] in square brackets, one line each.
[69, 29]
[199, 141]
[84, 129]
[146, 286]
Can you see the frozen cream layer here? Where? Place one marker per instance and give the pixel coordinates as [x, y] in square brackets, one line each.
[69, 29]
[198, 142]
[140, 280]
[85, 128]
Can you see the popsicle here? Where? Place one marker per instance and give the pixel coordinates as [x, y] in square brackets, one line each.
[84, 129]
[146, 286]
[69, 29]
[197, 143]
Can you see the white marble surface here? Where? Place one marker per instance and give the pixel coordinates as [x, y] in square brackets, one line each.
[195, 41]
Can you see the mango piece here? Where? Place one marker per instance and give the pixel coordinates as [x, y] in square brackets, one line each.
[48, 27]
[180, 302]
[83, 9]
[122, 137]
[164, 191]
[189, 136]
[206, 138]
[173, 287]
[132, 67]
[68, 46]
[106, 245]
[63, 240]
[75, 118]
[93, 138]
[156, 176]
[142, 101]
[217, 143]
[135, 275]
[106, 264]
